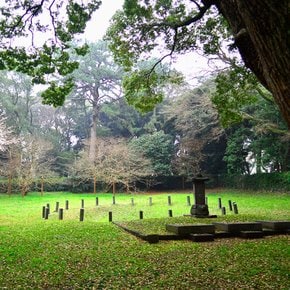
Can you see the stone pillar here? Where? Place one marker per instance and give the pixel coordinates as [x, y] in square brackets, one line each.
[200, 208]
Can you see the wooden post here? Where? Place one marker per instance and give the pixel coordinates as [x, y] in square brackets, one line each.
[83, 203]
[114, 200]
[48, 208]
[170, 213]
[97, 201]
[230, 205]
[220, 202]
[132, 201]
[66, 204]
[43, 212]
[223, 210]
[188, 201]
[169, 200]
[46, 213]
[56, 206]
[235, 208]
[82, 214]
[150, 200]
[141, 215]
[60, 214]
[110, 216]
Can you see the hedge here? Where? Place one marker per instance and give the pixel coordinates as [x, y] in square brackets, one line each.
[264, 182]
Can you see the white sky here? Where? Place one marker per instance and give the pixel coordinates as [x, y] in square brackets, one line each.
[192, 65]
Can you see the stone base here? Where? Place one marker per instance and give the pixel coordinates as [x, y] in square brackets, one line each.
[180, 229]
[251, 234]
[237, 227]
[276, 225]
[199, 210]
[206, 216]
[201, 237]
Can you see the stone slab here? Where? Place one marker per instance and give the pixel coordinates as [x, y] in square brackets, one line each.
[180, 229]
[221, 235]
[201, 237]
[151, 239]
[276, 225]
[237, 227]
[251, 234]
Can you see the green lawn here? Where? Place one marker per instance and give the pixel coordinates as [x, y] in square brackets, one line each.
[95, 254]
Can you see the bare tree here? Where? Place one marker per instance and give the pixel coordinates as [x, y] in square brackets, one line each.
[115, 163]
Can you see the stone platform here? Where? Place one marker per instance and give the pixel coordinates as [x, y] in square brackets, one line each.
[180, 229]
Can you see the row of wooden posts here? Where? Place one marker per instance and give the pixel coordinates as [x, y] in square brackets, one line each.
[232, 206]
[46, 209]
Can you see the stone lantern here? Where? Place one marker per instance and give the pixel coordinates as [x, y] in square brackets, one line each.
[200, 208]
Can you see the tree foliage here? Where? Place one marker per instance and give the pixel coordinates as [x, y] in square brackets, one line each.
[258, 30]
[36, 39]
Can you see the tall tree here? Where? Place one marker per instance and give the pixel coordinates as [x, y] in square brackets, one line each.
[258, 29]
[98, 79]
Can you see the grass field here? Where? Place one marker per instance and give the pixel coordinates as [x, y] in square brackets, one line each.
[95, 254]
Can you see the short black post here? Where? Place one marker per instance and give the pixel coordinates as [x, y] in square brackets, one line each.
[235, 208]
[150, 200]
[82, 214]
[220, 203]
[223, 210]
[66, 204]
[188, 201]
[43, 212]
[114, 200]
[141, 215]
[230, 205]
[132, 201]
[97, 201]
[48, 208]
[56, 206]
[110, 216]
[60, 214]
[170, 212]
[46, 213]
[83, 203]
[169, 200]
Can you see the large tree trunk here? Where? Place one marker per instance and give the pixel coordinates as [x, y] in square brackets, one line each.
[261, 31]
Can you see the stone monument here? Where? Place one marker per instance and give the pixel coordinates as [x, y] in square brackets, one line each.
[200, 208]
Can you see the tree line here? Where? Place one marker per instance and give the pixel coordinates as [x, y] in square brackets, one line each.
[96, 136]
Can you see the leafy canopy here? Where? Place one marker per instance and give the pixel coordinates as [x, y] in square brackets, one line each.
[36, 38]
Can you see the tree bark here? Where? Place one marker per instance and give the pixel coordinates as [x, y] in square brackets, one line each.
[93, 137]
[261, 32]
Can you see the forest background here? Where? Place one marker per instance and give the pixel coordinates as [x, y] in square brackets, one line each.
[227, 124]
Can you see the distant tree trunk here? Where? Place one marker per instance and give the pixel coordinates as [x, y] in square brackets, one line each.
[261, 32]
[9, 189]
[95, 184]
[259, 161]
[114, 187]
[42, 186]
[93, 137]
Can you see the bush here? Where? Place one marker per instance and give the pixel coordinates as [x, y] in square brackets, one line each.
[262, 181]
